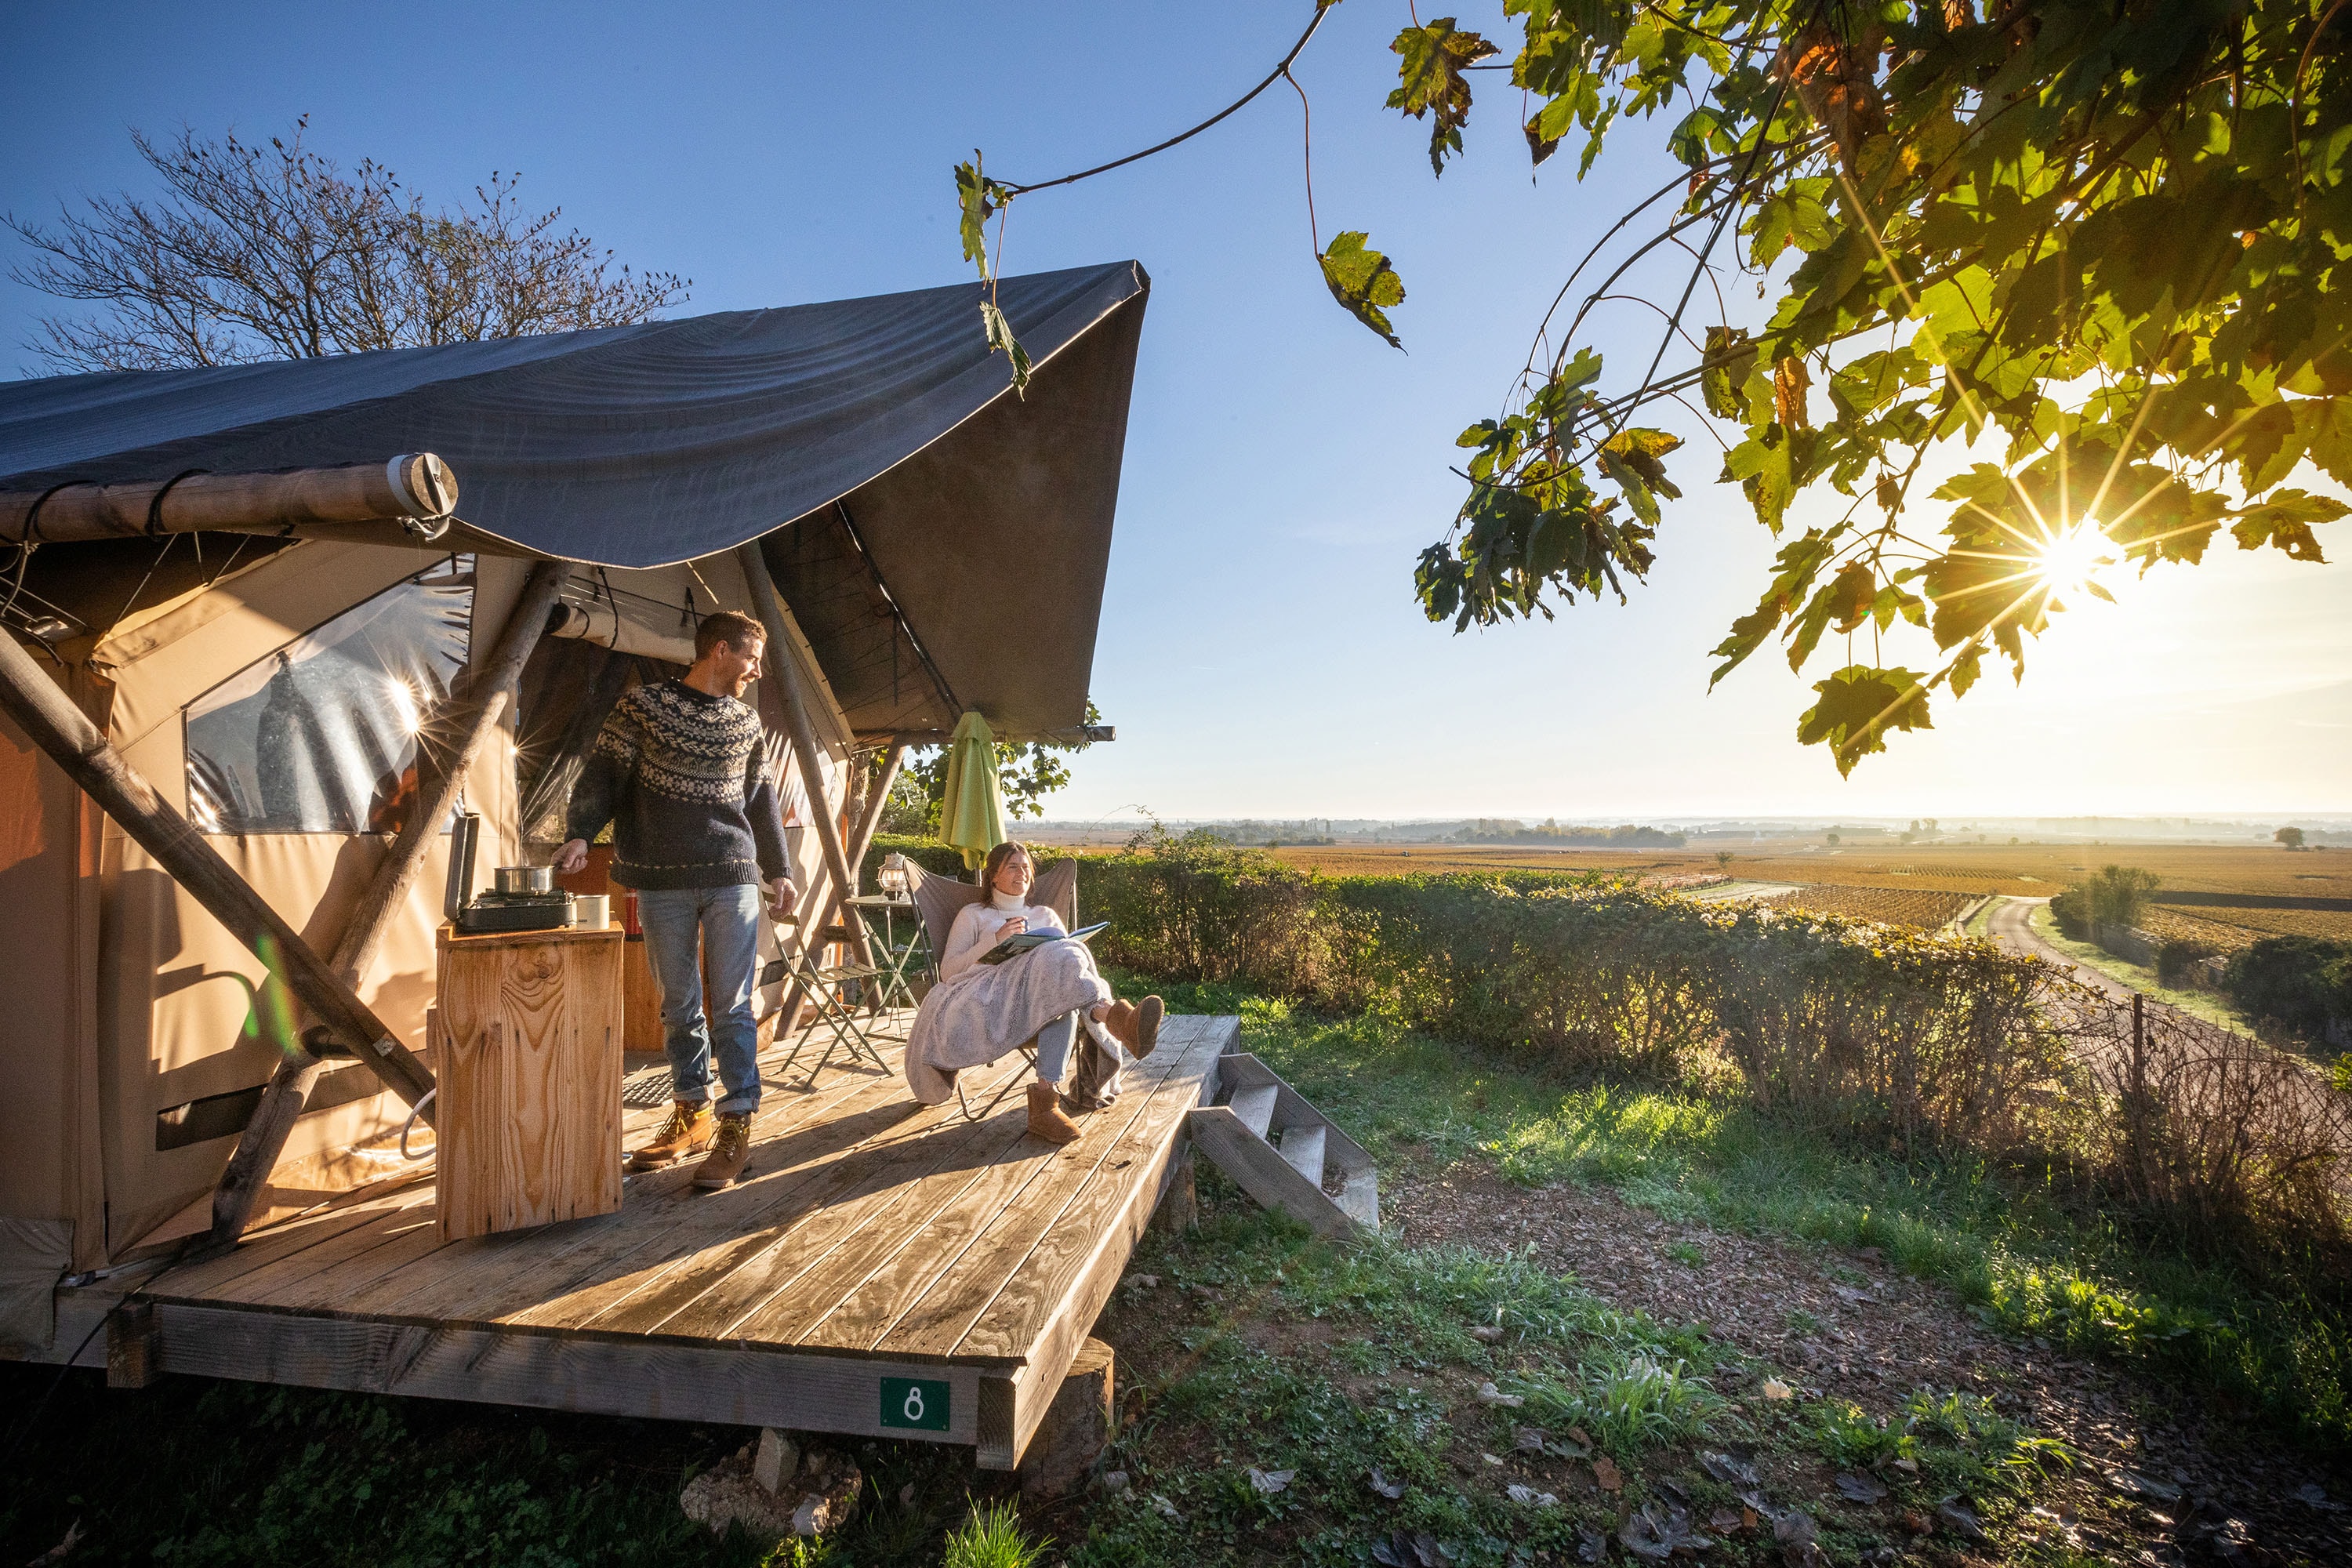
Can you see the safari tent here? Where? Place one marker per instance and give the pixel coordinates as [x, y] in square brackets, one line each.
[289, 684]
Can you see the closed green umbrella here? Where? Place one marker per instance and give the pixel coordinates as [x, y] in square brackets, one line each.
[972, 814]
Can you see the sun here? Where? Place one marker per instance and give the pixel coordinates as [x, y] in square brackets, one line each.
[2067, 561]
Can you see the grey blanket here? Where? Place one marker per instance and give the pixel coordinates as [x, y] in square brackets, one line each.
[992, 1008]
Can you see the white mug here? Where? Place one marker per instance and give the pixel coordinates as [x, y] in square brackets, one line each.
[591, 912]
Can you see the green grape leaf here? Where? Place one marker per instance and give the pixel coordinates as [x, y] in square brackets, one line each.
[1857, 707]
[1000, 337]
[1431, 82]
[1362, 281]
[977, 199]
[2284, 521]
[1730, 361]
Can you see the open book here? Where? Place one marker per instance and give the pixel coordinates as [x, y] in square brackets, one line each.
[1014, 946]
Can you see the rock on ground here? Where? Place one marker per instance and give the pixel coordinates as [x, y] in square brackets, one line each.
[818, 1496]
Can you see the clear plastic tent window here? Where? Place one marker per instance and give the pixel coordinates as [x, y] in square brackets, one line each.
[321, 735]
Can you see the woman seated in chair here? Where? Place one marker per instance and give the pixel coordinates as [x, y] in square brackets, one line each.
[980, 1011]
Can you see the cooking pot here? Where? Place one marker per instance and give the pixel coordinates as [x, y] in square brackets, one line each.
[525, 879]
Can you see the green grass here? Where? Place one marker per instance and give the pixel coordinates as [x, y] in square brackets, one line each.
[193, 1473]
[1980, 924]
[1387, 1392]
[2022, 1254]
[1222, 1375]
[992, 1538]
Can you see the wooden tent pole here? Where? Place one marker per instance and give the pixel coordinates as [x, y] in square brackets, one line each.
[52, 723]
[472, 716]
[796, 712]
[415, 485]
[863, 839]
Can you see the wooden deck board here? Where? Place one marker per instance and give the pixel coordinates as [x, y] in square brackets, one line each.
[938, 1324]
[1016, 1315]
[978, 1204]
[871, 1238]
[543, 1267]
[818, 1260]
[717, 1232]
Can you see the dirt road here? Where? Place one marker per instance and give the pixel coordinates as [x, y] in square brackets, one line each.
[2011, 926]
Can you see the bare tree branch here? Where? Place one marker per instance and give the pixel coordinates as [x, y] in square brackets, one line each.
[256, 253]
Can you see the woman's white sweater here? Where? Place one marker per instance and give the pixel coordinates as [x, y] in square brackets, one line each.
[976, 929]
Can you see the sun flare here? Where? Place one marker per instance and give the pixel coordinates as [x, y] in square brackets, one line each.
[2067, 561]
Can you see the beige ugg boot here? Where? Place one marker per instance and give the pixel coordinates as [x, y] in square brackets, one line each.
[1045, 1118]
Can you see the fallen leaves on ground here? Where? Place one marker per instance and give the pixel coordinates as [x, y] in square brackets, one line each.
[1962, 1519]
[1410, 1549]
[1268, 1482]
[1655, 1534]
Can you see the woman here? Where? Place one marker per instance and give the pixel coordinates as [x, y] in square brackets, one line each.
[980, 1011]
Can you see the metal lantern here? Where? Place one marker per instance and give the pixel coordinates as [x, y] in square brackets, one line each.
[894, 875]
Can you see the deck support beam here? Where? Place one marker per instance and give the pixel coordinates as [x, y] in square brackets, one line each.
[471, 715]
[51, 721]
[1077, 1427]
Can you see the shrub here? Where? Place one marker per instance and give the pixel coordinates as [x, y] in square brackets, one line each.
[2177, 958]
[2301, 982]
[2072, 911]
[1839, 1019]
[1941, 1041]
[929, 853]
[2238, 1147]
[2119, 893]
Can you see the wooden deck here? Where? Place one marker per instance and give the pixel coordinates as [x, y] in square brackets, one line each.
[883, 1269]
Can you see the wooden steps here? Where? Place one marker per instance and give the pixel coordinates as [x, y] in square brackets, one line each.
[1284, 1153]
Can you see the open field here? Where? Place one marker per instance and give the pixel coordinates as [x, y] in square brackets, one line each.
[1840, 880]
[1922, 909]
[2026, 870]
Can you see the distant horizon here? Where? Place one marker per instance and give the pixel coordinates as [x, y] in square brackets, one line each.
[1948, 822]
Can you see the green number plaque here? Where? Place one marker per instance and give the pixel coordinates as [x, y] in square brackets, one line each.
[914, 1403]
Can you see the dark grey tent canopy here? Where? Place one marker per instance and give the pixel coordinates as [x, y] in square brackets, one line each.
[943, 518]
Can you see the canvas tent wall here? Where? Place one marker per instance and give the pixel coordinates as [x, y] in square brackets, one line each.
[936, 508]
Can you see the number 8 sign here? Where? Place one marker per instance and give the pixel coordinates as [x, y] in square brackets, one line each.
[914, 1403]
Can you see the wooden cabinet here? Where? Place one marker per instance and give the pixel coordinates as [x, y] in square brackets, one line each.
[528, 1112]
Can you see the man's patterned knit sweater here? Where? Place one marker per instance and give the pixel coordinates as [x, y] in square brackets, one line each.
[684, 777]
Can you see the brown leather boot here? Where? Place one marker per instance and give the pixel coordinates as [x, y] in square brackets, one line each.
[731, 1148]
[1045, 1118]
[688, 1131]
[1135, 1025]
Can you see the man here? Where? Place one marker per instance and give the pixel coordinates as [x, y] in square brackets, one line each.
[681, 772]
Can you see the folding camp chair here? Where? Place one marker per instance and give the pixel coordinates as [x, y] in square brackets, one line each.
[827, 986]
[941, 899]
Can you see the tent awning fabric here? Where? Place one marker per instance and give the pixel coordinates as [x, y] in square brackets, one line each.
[984, 519]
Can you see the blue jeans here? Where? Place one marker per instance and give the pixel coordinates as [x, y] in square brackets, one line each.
[728, 921]
[1054, 1042]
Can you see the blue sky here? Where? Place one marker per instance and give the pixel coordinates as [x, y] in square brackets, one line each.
[1260, 652]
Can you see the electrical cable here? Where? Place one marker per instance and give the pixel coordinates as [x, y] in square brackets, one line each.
[33, 1419]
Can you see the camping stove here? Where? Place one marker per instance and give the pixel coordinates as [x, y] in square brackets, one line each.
[496, 911]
